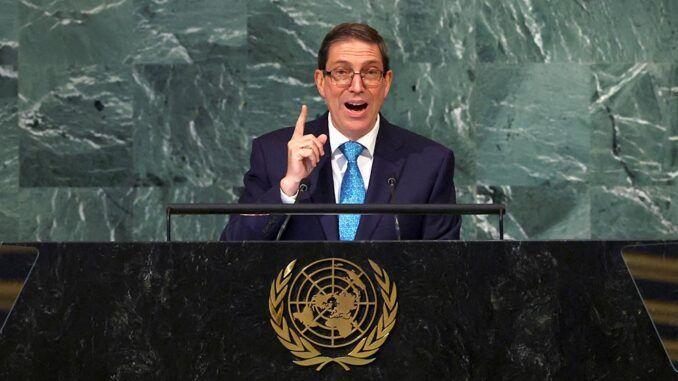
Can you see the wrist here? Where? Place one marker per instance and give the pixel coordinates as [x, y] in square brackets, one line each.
[289, 186]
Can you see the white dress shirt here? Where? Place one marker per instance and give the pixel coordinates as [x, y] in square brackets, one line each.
[339, 161]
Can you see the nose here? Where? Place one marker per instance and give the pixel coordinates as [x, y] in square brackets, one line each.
[357, 85]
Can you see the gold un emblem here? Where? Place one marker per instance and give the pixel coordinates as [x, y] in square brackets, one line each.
[332, 305]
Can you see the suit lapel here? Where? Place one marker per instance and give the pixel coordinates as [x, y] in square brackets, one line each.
[386, 163]
[324, 194]
[321, 188]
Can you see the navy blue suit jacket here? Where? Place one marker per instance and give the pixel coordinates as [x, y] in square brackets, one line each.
[422, 167]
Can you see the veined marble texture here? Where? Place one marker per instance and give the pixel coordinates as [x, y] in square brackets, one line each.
[437, 31]
[187, 124]
[533, 124]
[8, 26]
[9, 170]
[567, 111]
[75, 33]
[149, 212]
[187, 32]
[546, 212]
[635, 124]
[76, 126]
[576, 31]
[8, 59]
[76, 214]
[643, 212]
[9, 154]
[434, 100]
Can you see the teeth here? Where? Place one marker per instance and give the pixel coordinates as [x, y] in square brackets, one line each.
[358, 106]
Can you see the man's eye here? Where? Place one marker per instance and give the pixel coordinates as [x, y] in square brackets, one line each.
[340, 72]
[372, 73]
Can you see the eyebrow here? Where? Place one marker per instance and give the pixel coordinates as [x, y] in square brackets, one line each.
[371, 62]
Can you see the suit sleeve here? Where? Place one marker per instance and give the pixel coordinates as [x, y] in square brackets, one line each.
[258, 190]
[443, 227]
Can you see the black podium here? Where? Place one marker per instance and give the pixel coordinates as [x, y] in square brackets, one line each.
[404, 310]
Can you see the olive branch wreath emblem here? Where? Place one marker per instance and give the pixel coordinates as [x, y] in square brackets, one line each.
[303, 349]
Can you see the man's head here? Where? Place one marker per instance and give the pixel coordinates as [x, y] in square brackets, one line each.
[353, 102]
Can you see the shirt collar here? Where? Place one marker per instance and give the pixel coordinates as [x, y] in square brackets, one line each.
[369, 140]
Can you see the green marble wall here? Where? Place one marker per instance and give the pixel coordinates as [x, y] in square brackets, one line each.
[567, 111]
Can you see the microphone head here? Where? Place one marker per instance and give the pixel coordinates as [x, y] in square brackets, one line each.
[304, 184]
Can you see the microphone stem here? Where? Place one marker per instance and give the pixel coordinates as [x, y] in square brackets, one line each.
[391, 187]
[302, 188]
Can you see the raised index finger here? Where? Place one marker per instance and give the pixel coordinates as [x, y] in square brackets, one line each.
[299, 127]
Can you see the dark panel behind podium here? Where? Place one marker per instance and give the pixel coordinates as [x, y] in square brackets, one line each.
[474, 310]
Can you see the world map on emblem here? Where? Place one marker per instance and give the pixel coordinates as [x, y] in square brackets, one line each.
[332, 302]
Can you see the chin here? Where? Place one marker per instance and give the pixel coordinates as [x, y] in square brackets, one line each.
[357, 126]
[353, 124]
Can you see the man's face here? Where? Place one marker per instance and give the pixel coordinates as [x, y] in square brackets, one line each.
[354, 107]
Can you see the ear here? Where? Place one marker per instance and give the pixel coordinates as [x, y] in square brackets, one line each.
[319, 77]
[388, 78]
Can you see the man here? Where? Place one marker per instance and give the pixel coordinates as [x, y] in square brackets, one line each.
[349, 155]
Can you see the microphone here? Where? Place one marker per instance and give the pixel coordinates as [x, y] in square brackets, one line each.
[303, 187]
[391, 186]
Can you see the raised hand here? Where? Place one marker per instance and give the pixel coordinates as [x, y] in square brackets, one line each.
[303, 154]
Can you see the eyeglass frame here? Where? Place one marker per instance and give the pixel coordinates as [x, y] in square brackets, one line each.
[353, 73]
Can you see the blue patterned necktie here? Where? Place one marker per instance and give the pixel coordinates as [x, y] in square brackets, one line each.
[352, 190]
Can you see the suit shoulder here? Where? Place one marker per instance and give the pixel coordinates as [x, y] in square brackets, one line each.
[281, 135]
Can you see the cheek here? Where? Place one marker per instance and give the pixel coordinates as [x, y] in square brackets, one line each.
[336, 97]
[377, 99]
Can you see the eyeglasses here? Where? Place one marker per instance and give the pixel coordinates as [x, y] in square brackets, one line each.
[344, 77]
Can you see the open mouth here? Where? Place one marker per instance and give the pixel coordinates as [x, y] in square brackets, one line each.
[356, 106]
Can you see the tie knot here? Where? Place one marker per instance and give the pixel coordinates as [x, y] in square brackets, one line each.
[351, 150]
